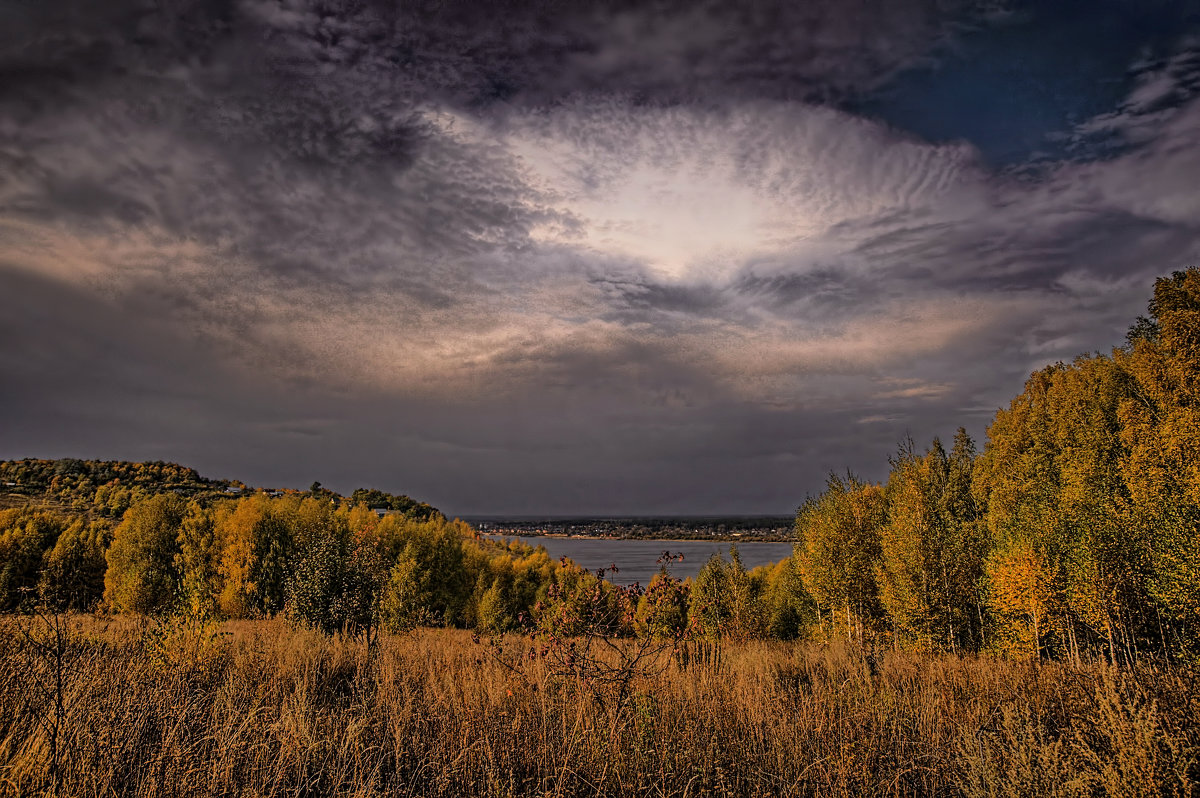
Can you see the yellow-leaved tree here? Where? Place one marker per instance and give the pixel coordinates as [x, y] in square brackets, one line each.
[838, 551]
[142, 574]
[1160, 425]
[1020, 595]
[930, 557]
[256, 558]
[1050, 479]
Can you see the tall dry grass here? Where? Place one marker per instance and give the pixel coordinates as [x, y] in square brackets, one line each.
[102, 708]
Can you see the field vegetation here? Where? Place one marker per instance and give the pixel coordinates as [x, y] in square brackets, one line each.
[264, 708]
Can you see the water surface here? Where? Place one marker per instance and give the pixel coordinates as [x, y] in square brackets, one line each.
[636, 559]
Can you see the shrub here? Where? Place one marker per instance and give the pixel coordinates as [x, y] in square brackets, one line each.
[337, 587]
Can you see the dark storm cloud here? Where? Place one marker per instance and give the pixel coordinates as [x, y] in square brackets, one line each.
[197, 118]
[644, 299]
[82, 362]
[657, 52]
[820, 294]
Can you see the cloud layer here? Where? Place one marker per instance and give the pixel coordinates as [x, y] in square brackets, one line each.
[603, 258]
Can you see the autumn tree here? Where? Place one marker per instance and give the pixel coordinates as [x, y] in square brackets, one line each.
[1019, 594]
[1018, 481]
[1051, 481]
[311, 520]
[257, 558]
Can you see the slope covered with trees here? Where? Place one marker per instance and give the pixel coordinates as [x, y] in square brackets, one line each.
[104, 488]
[1073, 533]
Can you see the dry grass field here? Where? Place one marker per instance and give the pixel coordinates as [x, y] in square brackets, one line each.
[104, 707]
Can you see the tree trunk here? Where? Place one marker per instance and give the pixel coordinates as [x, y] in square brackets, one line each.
[979, 612]
[1112, 645]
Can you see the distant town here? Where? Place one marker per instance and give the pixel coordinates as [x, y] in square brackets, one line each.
[758, 528]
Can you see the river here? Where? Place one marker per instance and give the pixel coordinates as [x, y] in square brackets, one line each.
[636, 559]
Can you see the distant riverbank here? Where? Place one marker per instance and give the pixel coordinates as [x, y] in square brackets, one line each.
[728, 529]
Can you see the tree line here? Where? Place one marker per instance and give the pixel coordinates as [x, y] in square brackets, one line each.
[338, 565]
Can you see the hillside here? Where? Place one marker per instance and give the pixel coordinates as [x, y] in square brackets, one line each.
[106, 488]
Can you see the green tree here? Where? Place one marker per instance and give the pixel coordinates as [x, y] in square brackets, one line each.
[747, 612]
[25, 537]
[429, 583]
[931, 562]
[142, 574]
[710, 598]
[1160, 426]
[511, 586]
[337, 587]
[838, 551]
[410, 508]
[199, 559]
[498, 607]
[790, 610]
[72, 577]
[662, 611]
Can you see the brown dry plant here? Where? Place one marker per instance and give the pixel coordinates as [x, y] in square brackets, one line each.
[265, 709]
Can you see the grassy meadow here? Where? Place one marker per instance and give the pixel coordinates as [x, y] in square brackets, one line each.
[94, 706]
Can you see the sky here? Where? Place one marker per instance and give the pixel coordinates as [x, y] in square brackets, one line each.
[519, 258]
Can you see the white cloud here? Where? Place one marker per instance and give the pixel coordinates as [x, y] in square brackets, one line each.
[695, 194]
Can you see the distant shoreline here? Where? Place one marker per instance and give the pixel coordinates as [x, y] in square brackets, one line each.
[712, 539]
[665, 528]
